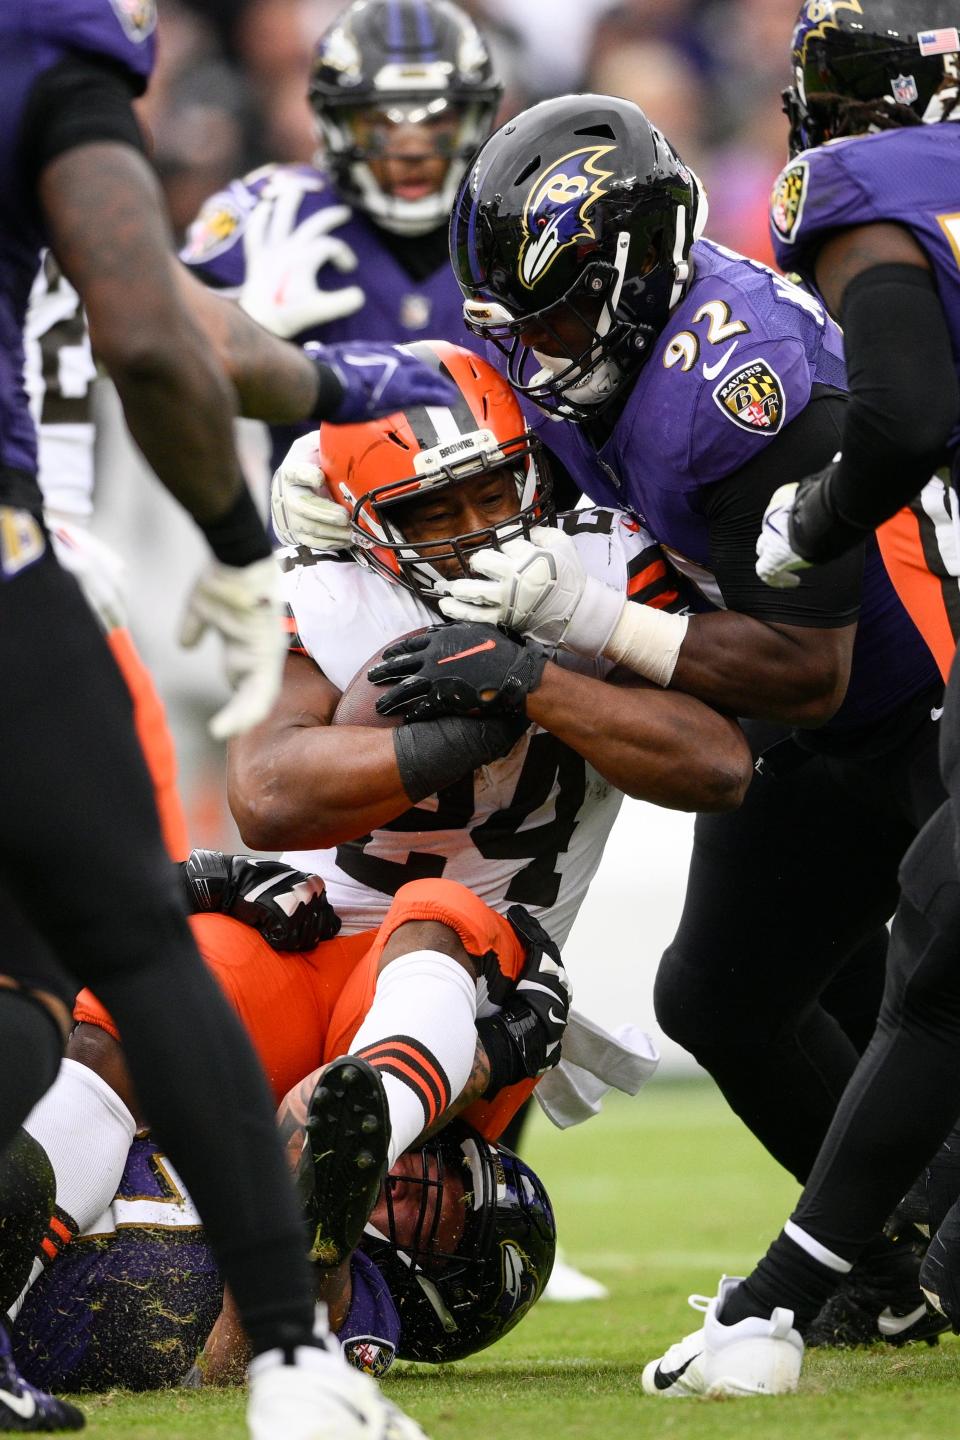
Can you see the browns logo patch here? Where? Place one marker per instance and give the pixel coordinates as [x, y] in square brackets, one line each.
[786, 202]
[752, 397]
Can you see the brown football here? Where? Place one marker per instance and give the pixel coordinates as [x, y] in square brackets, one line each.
[357, 705]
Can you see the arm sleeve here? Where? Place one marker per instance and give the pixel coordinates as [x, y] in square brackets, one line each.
[81, 100]
[827, 597]
[904, 393]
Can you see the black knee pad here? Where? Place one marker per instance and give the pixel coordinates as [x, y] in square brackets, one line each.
[28, 1193]
[686, 1003]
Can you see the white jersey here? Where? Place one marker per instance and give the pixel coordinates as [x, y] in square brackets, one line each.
[527, 829]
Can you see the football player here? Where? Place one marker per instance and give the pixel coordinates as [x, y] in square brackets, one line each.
[76, 802]
[692, 383]
[517, 806]
[354, 246]
[867, 210]
[129, 1304]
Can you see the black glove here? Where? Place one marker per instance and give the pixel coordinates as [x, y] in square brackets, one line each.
[462, 669]
[290, 909]
[523, 1040]
[818, 532]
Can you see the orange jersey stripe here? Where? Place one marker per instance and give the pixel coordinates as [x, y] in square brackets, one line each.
[656, 571]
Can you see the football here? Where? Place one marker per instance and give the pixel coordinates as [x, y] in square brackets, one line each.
[358, 703]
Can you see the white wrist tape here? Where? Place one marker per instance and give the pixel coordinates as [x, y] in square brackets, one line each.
[594, 619]
[648, 642]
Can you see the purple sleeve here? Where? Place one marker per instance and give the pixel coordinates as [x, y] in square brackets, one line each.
[214, 243]
[814, 195]
[371, 1332]
[120, 30]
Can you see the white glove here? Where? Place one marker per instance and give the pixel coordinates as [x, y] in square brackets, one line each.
[242, 603]
[539, 587]
[283, 259]
[100, 571]
[303, 513]
[776, 561]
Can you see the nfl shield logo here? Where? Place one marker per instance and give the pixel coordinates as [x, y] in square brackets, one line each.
[904, 89]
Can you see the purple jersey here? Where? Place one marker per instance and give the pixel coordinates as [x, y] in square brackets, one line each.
[397, 308]
[738, 360]
[908, 177]
[35, 35]
[130, 1304]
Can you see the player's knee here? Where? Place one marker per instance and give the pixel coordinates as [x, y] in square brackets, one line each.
[415, 935]
[690, 1006]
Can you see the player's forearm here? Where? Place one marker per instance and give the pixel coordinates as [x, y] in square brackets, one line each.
[314, 787]
[665, 748]
[104, 211]
[794, 675]
[274, 381]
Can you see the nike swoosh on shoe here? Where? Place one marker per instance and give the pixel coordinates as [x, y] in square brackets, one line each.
[663, 1379]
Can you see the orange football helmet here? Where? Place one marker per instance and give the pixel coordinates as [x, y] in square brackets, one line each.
[380, 466]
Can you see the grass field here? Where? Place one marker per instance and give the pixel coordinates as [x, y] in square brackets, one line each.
[657, 1197]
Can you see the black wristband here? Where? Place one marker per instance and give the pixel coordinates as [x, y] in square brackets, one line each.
[435, 753]
[238, 537]
[817, 531]
[330, 388]
[503, 1058]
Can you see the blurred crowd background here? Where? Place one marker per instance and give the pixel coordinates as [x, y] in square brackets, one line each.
[230, 89]
[229, 94]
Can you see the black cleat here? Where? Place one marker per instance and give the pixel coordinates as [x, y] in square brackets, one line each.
[344, 1157]
[940, 1271]
[880, 1300]
[23, 1407]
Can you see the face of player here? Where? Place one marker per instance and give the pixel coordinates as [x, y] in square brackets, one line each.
[472, 508]
[415, 1208]
[408, 148]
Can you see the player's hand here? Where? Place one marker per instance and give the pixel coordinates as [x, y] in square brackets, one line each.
[283, 260]
[457, 670]
[777, 561]
[303, 513]
[378, 379]
[100, 572]
[289, 908]
[540, 588]
[523, 1040]
[242, 604]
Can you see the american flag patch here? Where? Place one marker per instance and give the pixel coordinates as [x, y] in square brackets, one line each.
[939, 42]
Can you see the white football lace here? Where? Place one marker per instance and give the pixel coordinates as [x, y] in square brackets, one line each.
[699, 1302]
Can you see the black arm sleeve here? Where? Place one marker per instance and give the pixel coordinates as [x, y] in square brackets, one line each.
[828, 596]
[904, 393]
[79, 101]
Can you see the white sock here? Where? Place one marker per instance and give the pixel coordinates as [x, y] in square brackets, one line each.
[86, 1130]
[420, 1033]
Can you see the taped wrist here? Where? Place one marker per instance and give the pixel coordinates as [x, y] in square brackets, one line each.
[594, 619]
[514, 1046]
[330, 386]
[435, 753]
[647, 641]
[238, 537]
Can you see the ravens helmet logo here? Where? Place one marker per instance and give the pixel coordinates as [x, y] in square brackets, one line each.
[556, 213]
[816, 17]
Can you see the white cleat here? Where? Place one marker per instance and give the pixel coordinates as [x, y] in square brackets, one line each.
[753, 1357]
[568, 1285]
[320, 1397]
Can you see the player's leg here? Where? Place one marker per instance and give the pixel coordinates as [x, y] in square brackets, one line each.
[81, 850]
[780, 894]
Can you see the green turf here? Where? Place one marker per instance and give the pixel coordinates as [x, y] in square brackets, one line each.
[656, 1198]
